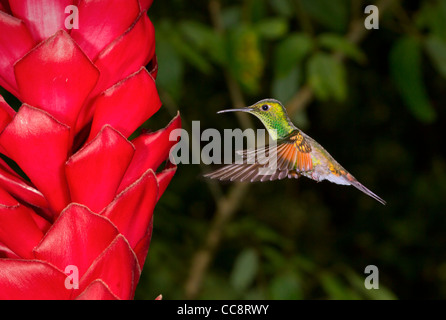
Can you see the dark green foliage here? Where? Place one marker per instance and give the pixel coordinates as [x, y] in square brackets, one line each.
[378, 106]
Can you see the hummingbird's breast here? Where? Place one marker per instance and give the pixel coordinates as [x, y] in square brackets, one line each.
[325, 167]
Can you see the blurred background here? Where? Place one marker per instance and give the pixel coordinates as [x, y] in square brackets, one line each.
[373, 98]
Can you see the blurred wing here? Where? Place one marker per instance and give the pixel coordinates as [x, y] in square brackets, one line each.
[287, 158]
[247, 172]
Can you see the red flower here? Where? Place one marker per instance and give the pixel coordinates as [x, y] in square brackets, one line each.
[80, 227]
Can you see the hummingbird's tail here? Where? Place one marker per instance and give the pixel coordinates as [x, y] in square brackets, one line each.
[361, 187]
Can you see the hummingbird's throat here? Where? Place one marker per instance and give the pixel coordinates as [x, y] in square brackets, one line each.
[277, 129]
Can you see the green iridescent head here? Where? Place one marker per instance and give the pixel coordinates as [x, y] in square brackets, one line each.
[273, 116]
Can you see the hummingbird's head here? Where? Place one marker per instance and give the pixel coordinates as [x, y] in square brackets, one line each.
[272, 114]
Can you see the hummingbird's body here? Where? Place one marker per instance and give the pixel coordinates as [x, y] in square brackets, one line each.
[294, 154]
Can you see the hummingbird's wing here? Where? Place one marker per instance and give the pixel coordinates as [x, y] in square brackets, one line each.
[247, 172]
[287, 158]
[290, 153]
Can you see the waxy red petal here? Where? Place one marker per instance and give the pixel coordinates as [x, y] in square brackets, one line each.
[142, 247]
[6, 253]
[43, 18]
[145, 4]
[19, 188]
[7, 201]
[151, 150]
[31, 280]
[15, 41]
[14, 216]
[97, 290]
[118, 267]
[101, 164]
[6, 113]
[77, 238]
[131, 211]
[57, 77]
[38, 143]
[102, 22]
[57, 82]
[137, 95]
[126, 55]
[164, 178]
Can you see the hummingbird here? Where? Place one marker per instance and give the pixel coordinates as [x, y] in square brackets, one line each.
[295, 153]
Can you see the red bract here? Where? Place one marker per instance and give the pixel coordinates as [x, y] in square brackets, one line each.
[84, 212]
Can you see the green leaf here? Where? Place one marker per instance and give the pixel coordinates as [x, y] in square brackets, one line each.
[284, 87]
[244, 270]
[326, 76]
[283, 7]
[168, 33]
[190, 54]
[286, 287]
[247, 61]
[205, 39]
[331, 14]
[432, 16]
[436, 49]
[231, 17]
[290, 52]
[335, 42]
[171, 69]
[405, 69]
[335, 288]
[288, 55]
[272, 28]
[254, 11]
[197, 32]
[376, 294]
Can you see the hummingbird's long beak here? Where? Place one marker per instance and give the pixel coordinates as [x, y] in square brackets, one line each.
[233, 110]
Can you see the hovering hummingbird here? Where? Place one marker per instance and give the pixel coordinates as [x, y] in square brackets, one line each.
[296, 154]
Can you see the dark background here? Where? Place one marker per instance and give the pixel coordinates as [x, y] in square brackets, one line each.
[373, 98]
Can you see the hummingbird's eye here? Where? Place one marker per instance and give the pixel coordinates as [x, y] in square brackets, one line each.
[265, 107]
